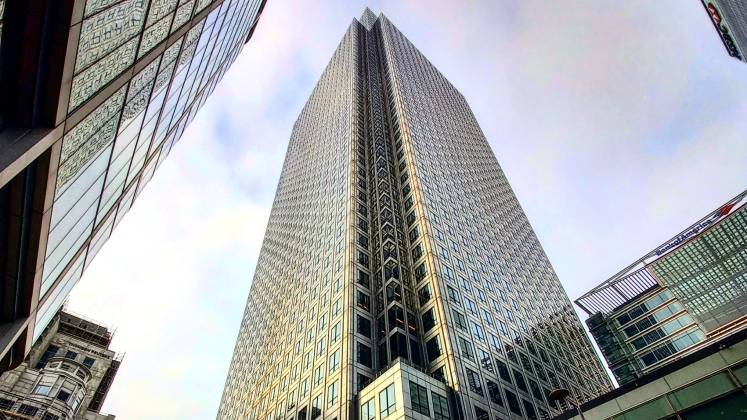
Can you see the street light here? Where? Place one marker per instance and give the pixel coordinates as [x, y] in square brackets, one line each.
[561, 394]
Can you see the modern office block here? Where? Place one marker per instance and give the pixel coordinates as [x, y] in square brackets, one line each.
[708, 384]
[679, 297]
[67, 374]
[95, 93]
[395, 237]
[729, 17]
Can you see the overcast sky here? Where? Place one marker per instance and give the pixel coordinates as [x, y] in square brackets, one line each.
[618, 124]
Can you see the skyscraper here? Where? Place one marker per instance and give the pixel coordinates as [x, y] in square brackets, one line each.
[95, 93]
[396, 253]
[729, 17]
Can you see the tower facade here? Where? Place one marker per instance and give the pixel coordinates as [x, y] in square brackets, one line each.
[396, 243]
[94, 95]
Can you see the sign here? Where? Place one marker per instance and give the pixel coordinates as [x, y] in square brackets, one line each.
[696, 229]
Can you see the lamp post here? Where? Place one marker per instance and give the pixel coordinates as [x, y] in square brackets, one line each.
[561, 394]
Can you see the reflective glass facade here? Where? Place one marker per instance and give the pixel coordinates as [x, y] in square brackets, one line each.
[134, 75]
[729, 17]
[394, 235]
[699, 294]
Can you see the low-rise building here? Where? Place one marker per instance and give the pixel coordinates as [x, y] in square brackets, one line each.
[681, 296]
[66, 376]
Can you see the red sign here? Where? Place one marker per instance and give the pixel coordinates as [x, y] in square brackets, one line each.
[715, 15]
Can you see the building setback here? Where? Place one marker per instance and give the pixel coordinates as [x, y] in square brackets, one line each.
[683, 295]
[66, 375]
[729, 17]
[95, 93]
[396, 249]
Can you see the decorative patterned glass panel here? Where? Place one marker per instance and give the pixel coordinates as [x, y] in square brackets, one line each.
[80, 158]
[138, 103]
[97, 76]
[93, 6]
[201, 4]
[182, 15]
[164, 75]
[172, 52]
[108, 30]
[142, 78]
[159, 9]
[190, 43]
[155, 34]
[86, 128]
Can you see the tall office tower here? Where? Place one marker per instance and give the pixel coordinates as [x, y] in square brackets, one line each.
[397, 262]
[66, 376]
[729, 17]
[95, 93]
[683, 295]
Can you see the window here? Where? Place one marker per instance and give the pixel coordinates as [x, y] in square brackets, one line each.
[368, 410]
[520, 381]
[362, 278]
[433, 348]
[440, 407]
[419, 399]
[316, 407]
[513, 403]
[363, 301]
[71, 355]
[503, 370]
[42, 389]
[28, 410]
[334, 361]
[50, 352]
[481, 414]
[478, 332]
[453, 295]
[334, 335]
[429, 320]
[424, 294]
[333, 393]
[495, 393]
[471, 307]
[318, 375]
[63, 395]
[320, 345]
[420, 272]
[364, 355]
[466, 349]
[50, 416]
[363, 326]
[474, 382]
[336, 308]
[363, 380]
[6, 404]
[460, 320]
[387, 401]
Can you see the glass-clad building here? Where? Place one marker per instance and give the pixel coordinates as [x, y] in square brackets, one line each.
[395, 243]
[95, 93]
[684, 294]
[729, 18]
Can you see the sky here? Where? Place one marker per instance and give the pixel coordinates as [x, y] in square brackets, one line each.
[618, 125]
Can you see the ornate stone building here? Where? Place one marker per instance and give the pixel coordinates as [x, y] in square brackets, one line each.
[66, 375]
